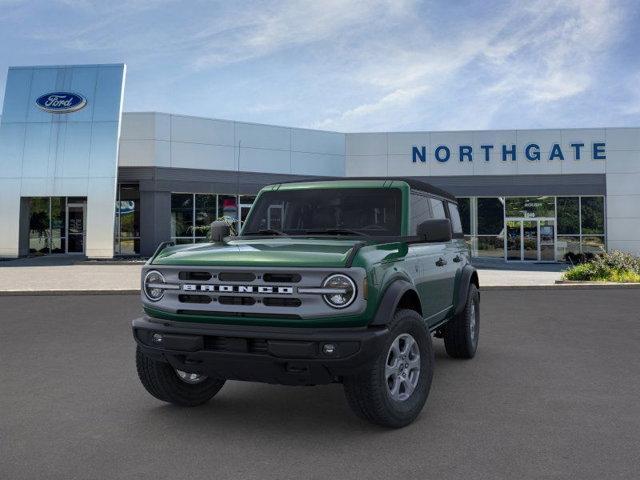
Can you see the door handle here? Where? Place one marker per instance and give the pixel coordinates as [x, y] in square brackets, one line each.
[457, 259]
[441, 262]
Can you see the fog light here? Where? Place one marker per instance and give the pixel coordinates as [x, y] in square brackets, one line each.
[156, 338]
[328, 348]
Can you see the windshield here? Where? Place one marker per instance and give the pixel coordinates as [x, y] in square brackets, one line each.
[334, 211]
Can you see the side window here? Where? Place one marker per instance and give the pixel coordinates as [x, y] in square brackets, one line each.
[454, 214]
[437, 208]
[420, 211]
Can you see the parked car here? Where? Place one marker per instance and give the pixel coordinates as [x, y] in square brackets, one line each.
[329, 281]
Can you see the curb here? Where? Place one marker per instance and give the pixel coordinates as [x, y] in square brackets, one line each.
[564, 286]
[38, 293]
[552, 286]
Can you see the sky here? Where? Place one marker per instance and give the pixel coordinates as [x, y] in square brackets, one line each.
[351, 65]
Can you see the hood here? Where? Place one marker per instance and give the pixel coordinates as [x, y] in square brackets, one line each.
[274, 252]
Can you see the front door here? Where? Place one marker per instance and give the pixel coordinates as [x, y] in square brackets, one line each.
[75, 227]
[530, 240]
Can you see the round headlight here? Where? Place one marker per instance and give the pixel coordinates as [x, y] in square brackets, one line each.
[344, 291]
[152, 279]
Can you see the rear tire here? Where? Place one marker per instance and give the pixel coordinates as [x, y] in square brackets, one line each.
[165, 383]
[392, 390]
[462, 332]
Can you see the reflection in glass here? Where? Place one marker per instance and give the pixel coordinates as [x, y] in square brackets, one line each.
[39, 225]
[514, 240]
[593, 244]
[491, 246]
[58, 217]
[490, 216]
[127, 220]
[530, 240]
[592, 215]
[464, 207]
[547, 240]
[246, 201]
[530, 207]
[228, 207]
[568, 244]
[181, 214]
[568, 216]
[205, 214]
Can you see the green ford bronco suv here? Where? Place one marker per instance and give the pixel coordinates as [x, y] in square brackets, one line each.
[328, 281]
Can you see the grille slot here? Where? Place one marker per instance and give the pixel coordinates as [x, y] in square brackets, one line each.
[195, 298]
[281, 277]
[196, 276]
[235, 344]
[227, 300]
[215, 343]
[236, 276]
[282, 302]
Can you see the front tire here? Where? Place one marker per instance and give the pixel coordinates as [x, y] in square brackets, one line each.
[174, 386]
[392, 390]
[462, 332]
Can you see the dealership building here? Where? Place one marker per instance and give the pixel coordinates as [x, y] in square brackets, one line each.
[79, 176]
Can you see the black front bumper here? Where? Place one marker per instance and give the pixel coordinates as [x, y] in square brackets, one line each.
[285, 356]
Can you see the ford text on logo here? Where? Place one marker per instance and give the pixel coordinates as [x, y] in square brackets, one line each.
[61, 102]
[531, 152]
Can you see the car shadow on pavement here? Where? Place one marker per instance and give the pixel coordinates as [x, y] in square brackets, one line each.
[273, 408]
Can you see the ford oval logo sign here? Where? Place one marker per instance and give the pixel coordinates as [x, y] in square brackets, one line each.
[61, 102]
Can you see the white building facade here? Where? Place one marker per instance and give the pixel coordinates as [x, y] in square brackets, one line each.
[525, 195]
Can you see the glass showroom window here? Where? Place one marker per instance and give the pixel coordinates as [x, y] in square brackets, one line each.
[530, 207]
[490, 225]
[47, 227]
[192, 214]
[581, 223]
[592, 220]
[205, 213]
[127, 230]
[465, 209]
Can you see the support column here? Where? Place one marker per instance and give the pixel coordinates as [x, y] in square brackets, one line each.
[155, 220]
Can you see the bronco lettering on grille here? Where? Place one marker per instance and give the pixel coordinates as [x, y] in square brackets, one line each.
[260, 290]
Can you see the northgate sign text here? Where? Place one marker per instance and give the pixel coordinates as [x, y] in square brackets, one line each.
[531, 152]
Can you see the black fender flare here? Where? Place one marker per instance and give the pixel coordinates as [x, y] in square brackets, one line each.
[468, 276]
[390, 300]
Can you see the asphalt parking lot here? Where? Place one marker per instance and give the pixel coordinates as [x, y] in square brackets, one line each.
[554, 392]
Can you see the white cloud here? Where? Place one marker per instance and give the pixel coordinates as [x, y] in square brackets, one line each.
[349, 64]
[541, 53]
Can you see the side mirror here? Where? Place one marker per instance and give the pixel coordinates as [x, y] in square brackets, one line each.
[435, 230]
[219, 230]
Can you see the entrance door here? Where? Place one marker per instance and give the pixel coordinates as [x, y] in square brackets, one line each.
[530, 240]
[547, 240]
[75, 227]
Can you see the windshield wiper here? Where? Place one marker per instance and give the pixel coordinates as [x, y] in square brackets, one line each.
[337, 231]
[267, 231]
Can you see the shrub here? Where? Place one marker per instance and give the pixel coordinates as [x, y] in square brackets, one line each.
[578, 258]
[615, 266]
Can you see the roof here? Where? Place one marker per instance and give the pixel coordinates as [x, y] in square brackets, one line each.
[413, 184]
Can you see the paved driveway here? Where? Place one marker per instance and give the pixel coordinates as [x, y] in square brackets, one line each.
[553, 393]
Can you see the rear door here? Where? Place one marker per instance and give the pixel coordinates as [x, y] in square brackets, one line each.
[426, 264]
[447, 259]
